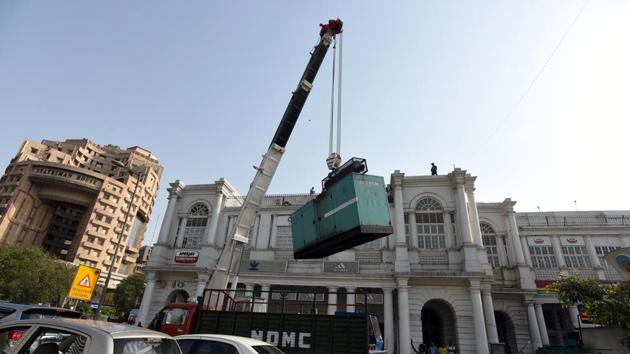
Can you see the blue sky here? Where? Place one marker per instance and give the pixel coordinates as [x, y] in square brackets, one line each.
[203, 85]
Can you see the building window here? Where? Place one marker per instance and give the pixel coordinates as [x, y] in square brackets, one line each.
[284, 240]
[543, 257]
[195, 225]
[489, 239]
[372, 245]
[430, 224]
[576, 257]
[602, 251]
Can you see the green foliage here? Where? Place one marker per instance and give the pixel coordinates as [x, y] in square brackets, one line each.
[84, 308]
[128, 294]
[609, 306]
[574, 289]
[107, 311]
[29, 276]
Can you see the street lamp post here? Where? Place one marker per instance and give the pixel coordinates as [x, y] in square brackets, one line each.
[120, 235]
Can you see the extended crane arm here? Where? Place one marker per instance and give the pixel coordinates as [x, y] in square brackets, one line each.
[239, 235]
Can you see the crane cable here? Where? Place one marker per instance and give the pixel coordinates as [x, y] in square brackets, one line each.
[337, 152]
[332, 101]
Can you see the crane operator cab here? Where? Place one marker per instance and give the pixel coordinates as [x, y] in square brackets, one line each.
[351, 210]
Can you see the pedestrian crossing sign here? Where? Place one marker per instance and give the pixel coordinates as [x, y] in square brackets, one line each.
[84, 283]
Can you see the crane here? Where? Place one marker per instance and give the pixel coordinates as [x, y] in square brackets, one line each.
[239, 235]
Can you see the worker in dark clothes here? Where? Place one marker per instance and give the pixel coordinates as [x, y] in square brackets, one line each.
[433, 169]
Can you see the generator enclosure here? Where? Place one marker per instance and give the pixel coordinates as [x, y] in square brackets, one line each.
[352, 211]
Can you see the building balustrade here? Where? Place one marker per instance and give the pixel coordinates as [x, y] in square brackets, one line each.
[551, 219]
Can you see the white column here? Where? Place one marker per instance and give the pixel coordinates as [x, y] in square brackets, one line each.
[413, 230]
[542, 326]
[404, 338]
[464, 218]
[391, 239]
[502, 251]
[528, 257]
[332, 300]
[211, 231]
[399, 216]
[574, 313]
[202, 280]
[182, 229]
[272, 237]
[147, 297]
[591, 252]
[557, 251]
[448, 230]
[401, 263]
[514, 237]
[534, 331]
[388, 309]
[625, 241]
[474, 218]
[168, 218]
[481, 338]
[350, 299]
[488, 311]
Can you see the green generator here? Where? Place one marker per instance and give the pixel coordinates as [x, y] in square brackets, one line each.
[353, 209]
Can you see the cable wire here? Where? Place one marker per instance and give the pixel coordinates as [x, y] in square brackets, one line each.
[339, 95]
[332, 102]
[529, 87]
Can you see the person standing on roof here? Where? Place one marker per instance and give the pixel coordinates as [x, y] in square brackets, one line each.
[433, 169]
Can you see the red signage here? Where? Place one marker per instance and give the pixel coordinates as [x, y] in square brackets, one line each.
[539, 241]
[572, 240]
[186, 257]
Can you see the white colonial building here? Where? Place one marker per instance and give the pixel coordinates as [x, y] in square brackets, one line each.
[453, 271]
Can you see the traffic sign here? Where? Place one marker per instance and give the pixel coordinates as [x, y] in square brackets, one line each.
[84, 283]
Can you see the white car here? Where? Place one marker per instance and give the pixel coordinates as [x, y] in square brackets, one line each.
[73, 336]
[223, 344]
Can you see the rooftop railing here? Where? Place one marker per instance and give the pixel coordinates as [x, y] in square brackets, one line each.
[551, 219]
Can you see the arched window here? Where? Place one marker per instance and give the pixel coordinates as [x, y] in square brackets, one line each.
[430, 224]
[195, 225]
[489, 238]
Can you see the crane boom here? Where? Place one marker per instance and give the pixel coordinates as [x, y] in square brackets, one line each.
[239, 234]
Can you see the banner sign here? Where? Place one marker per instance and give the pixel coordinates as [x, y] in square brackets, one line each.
[571, 240]
[539, 241]
[186, 256]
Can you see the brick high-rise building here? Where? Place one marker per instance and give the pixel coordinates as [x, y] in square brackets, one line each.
[69, 198]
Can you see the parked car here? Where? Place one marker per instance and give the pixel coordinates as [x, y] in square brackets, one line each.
[13, 312]
[224, 344]
[70, 336]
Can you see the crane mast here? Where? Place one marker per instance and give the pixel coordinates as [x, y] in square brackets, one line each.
[239, 234]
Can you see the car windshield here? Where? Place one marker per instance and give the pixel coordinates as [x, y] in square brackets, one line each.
[145, 346]
[267, 349]
[174, 316]
[35, 313]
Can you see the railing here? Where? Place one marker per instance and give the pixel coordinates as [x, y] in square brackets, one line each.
[275, 200]
[552, 219]
[289, 301]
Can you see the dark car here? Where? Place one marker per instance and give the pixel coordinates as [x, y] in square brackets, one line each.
[13, 312]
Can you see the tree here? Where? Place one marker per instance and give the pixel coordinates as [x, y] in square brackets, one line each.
[609, 306]
[128, 294]
[29, 275]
